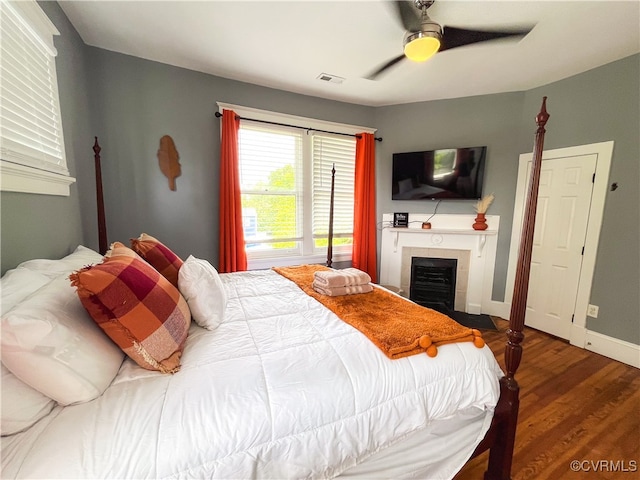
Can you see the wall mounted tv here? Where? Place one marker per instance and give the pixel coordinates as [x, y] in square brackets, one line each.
[451, 173]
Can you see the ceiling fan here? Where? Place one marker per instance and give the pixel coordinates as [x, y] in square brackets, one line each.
[424, 37]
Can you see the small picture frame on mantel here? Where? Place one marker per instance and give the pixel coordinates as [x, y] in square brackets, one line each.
[400, 219]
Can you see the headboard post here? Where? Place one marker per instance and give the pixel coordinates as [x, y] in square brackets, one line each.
[102, 224]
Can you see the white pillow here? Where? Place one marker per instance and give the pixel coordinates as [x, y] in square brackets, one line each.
[29, 276]
[22, 406]
[51, 343]
[80, 257]
[18, 284]
[200, 285]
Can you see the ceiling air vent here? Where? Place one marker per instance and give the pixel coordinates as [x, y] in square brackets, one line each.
[327, 77]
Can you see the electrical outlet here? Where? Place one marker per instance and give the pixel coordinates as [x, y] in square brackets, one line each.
[592, 311]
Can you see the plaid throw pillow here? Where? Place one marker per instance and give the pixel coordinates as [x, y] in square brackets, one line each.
[159, 256]
[136, 307]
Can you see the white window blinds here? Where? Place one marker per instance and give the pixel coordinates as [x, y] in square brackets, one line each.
[270, 181]
[327, 152]
[30, 123]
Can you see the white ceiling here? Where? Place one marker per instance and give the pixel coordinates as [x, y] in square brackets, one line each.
[288, 44]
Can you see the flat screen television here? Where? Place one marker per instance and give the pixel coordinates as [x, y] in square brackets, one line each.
[448, 173]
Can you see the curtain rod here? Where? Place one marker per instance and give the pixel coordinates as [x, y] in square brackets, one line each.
[218, 114]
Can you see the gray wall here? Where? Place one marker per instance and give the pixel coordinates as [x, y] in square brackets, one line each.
[598, 106]
[491, 120]
[139, 101]
[133, 102]
[46, 226]
[582, 112]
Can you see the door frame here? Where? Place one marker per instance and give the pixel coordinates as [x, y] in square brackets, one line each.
[603, 152]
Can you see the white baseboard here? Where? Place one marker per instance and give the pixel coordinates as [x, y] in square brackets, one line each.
[619, 350]
[610, 347]
[474, 308]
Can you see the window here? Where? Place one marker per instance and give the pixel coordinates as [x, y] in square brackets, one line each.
[32, 157]
[272, 191]
[285, 179]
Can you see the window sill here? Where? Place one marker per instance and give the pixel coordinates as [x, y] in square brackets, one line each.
[23, 179]
[264, 263]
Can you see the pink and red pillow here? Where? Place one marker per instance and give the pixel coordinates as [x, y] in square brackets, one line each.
[137, 308]
[159, 256]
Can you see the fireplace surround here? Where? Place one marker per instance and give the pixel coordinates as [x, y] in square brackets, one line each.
[451, 236]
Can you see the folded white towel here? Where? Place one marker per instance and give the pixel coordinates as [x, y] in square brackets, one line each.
[341, 278]
[339, 291]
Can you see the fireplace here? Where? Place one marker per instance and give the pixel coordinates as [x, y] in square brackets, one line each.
[450, 236]
[433, 283]
[459, 280]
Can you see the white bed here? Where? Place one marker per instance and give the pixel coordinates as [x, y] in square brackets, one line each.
[281, 389]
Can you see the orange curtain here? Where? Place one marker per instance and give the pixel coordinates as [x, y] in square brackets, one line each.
[364, 214]
[233, 257]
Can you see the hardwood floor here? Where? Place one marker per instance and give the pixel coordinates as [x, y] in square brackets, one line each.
[574, 405]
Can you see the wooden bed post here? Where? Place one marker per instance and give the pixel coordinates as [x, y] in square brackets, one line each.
[102, 225]
[506, 414]
[330, 235]
[513, 350]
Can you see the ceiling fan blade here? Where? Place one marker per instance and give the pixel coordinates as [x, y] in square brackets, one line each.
[389, 64]
[453, 37]
[409, 16]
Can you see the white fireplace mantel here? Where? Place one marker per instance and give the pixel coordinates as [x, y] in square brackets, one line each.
[449, 232]
[437, 235]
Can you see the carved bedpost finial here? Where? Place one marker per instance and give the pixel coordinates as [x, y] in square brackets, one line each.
[96, 147]
[543, 116]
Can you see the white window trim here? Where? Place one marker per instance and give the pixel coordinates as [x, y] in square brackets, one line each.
[19, 173]
[20, 178]
[264, 263]
[339, 254]
[302, 122]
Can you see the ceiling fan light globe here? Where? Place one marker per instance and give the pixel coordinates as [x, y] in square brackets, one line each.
[420, 47]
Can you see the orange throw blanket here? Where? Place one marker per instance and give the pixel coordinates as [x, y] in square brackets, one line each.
[398, 327]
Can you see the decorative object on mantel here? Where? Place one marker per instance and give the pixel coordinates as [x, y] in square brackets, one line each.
[168, 159]
[481, 222]
[426, 225]
[481, 207]
[400, 219]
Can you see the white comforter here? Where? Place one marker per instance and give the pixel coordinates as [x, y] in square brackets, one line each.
[282, 389]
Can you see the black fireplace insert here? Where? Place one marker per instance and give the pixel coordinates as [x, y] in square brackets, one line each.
[433, 283]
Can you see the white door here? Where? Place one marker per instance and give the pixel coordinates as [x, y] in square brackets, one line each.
[564, 200]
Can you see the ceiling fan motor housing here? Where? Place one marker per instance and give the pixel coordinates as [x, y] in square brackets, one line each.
[428, 28]
[420, 4]
[422, 45]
